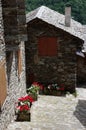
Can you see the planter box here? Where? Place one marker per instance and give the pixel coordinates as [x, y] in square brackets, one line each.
[23, 117]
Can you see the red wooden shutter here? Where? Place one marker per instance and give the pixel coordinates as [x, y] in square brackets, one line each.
[51, 46]
[42, 47]
[47, 46]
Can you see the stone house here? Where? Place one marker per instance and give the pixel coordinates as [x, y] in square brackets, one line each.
[12, 57]
[53, 40]
[81, 61]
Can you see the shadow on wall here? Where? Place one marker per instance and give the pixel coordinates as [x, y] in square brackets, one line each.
[30, 76]
[9, 59]
[80, 112]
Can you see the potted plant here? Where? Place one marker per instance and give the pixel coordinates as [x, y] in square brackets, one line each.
[34, 90]
[54, 89]
[22, 108]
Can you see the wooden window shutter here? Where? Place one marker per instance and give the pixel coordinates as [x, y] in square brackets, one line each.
[3, 90]
[42, 47]
[52, 46]
[19, 62]
[47, 46]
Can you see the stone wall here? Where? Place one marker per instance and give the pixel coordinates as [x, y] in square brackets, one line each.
[16, 84]
[81, 61]
[14, 20]
[16, 88]
[81, 69]
[58, 69]
[2, 45]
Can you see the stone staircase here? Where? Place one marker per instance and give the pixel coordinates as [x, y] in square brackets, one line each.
[55, 113]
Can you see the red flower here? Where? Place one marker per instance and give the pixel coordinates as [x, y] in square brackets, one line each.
[62, 88]
[41, 87]
[26, 98]
[35, 83]
[18, 107]
[21, 99]
[24, 108]
[30, 99]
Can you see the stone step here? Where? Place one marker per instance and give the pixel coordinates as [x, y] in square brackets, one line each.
[39, 126]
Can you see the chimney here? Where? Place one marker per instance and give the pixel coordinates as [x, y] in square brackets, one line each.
[68, 16]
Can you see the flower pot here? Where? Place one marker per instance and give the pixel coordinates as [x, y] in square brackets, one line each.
[23, 117]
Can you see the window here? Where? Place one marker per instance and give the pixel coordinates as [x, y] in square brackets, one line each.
[47, 46]
[3, 90]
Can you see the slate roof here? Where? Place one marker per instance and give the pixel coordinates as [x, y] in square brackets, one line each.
[56, 19]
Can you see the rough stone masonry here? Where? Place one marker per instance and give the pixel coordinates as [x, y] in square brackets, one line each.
[10, 12]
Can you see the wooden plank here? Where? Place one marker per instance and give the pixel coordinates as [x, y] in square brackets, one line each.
[47, 46]
[3, 90]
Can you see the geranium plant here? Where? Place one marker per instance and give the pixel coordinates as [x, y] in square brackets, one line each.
[54, 89]
[24, 108]
[23, 105]
[34, 89]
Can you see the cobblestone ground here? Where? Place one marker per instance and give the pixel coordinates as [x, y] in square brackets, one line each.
[56, 113]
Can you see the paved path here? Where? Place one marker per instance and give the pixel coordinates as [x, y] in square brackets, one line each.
[56, 113]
